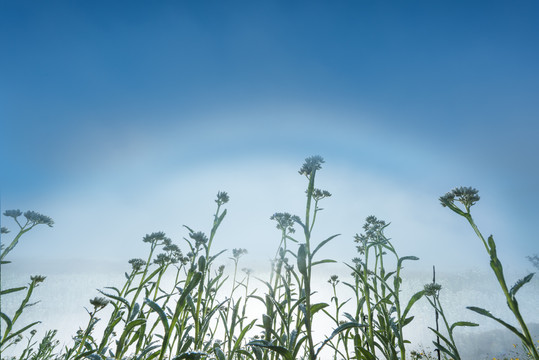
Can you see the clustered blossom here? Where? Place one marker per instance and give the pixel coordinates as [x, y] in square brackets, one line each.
[34, 218]
[467, 196]
[156, 236]
[285, 221]
[333, 280]
[99, 302]
[221, 269]
[311, 164]
[162, 259]
[237, 253]
[37, 218]
[373, 233]
[320, 194]
[222, 198]
[137, 264]
[13, 213]
[432, 289]
[199, 237]
[37, 279]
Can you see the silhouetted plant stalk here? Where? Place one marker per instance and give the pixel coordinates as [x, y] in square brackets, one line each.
[468, 196]
[432, 294]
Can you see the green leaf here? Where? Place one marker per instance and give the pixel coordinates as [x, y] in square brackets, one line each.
[118, 298]
[447, 341]
[418, 295]
[245, 354]
[94, 357]
[189, 356]
[324, 243]
[443, 349]
[341, 328]
[6, 319]
[284, 352]
[399, 263]
[219, 353]
[147, 350]
[325, 261]
[406, 321]
[462, 323]
[192, 284]
[238, 341]
[20, 331]
[317, 307]
[162, 316]
[520, 283]
[218, 221]
[488, 314]
[302, 260]
[127, 330]
[134, 313]
[366, 354]
[3, 292]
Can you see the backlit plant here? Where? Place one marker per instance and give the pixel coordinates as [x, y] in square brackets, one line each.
[179, 302]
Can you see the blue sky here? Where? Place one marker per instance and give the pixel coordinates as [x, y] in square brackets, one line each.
[120, 118]
[107, 104]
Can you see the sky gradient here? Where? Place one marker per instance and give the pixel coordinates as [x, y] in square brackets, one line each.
[122, 118]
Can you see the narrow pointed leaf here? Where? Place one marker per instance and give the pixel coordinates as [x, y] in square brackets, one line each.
[162, 316]
[462, 323]
[488, 314]
[324, 243]
[520, 283]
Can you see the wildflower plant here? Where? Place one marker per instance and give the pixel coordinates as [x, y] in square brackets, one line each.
[432, 294]
[379, 309]
[8, 335]
[467, 197]
[179, 302]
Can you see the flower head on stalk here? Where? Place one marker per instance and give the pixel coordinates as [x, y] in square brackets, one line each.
[311, 164]
[4, 230]
[467, 196]
[137, 264]
[199, 237]
[333, 280]
[13, 213]
[99, 303]
[36, 218]
[320, 194]
[237, 253]
[156, 236]
[222, 198]
[37, 279]
[285, 221]
[432, 289]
